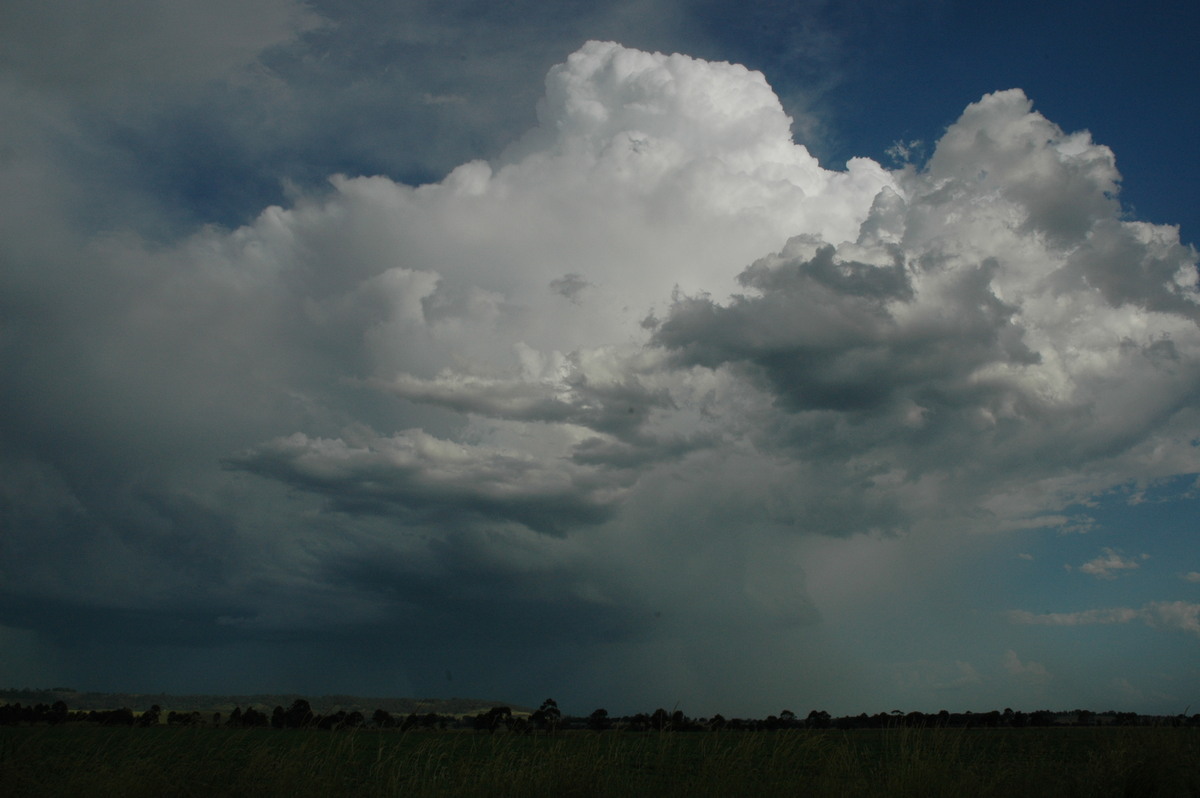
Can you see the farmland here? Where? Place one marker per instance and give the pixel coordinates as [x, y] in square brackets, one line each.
[82, 759]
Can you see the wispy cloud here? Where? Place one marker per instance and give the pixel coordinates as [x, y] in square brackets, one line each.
[1177, 615]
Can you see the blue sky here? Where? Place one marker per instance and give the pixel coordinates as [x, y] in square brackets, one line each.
[800, 355]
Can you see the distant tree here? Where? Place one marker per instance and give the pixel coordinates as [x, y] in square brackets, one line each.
[1040, 718]
[58, 713]
[150, 716]
[599, 721]
[117, 717]
[330, 721]
[817, 719]
[253, 719]
[914, 719]
[298, 715]
[547, 715]
[493, 719]
[278, 718]
[184, 718]
[383, 719]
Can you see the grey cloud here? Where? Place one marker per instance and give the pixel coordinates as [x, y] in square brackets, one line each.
[415, 473]
[350, 410]
[78, 46]
[497, 586]
[1138, 264]
[645, 450]
[825, 332]
[614, 408]
[569, 286]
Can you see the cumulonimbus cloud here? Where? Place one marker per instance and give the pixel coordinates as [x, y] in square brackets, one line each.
[648, 349]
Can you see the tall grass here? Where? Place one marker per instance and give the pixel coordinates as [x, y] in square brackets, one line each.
[899, 762]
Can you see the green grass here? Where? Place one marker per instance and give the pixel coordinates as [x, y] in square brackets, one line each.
[84, 760]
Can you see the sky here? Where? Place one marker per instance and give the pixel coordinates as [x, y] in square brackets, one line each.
[704, 355]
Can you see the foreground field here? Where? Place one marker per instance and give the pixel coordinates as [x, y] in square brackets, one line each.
[80, 760]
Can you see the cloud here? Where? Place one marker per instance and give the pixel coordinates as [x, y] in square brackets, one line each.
[1181, 615]
[569, 286]
[1030, 671]
[427, 475]
[620, 373]
[1192, 576]
[945, 331]
[1178, 615]
[75, 46]
[1108, 563]
[937, 676]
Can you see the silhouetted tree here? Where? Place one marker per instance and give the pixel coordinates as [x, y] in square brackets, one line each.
[491, 720]
[298, 715]
[598, 720]
[547, 715]
[817, 719]
[253, 719]
[117, 717]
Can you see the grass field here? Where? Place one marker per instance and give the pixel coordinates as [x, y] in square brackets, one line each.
[92, 761]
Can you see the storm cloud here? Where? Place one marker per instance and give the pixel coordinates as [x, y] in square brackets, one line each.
[595, 397]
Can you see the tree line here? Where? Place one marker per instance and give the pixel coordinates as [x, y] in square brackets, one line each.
[548, 718]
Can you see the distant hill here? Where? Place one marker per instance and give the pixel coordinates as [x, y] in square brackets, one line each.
[139, 702]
